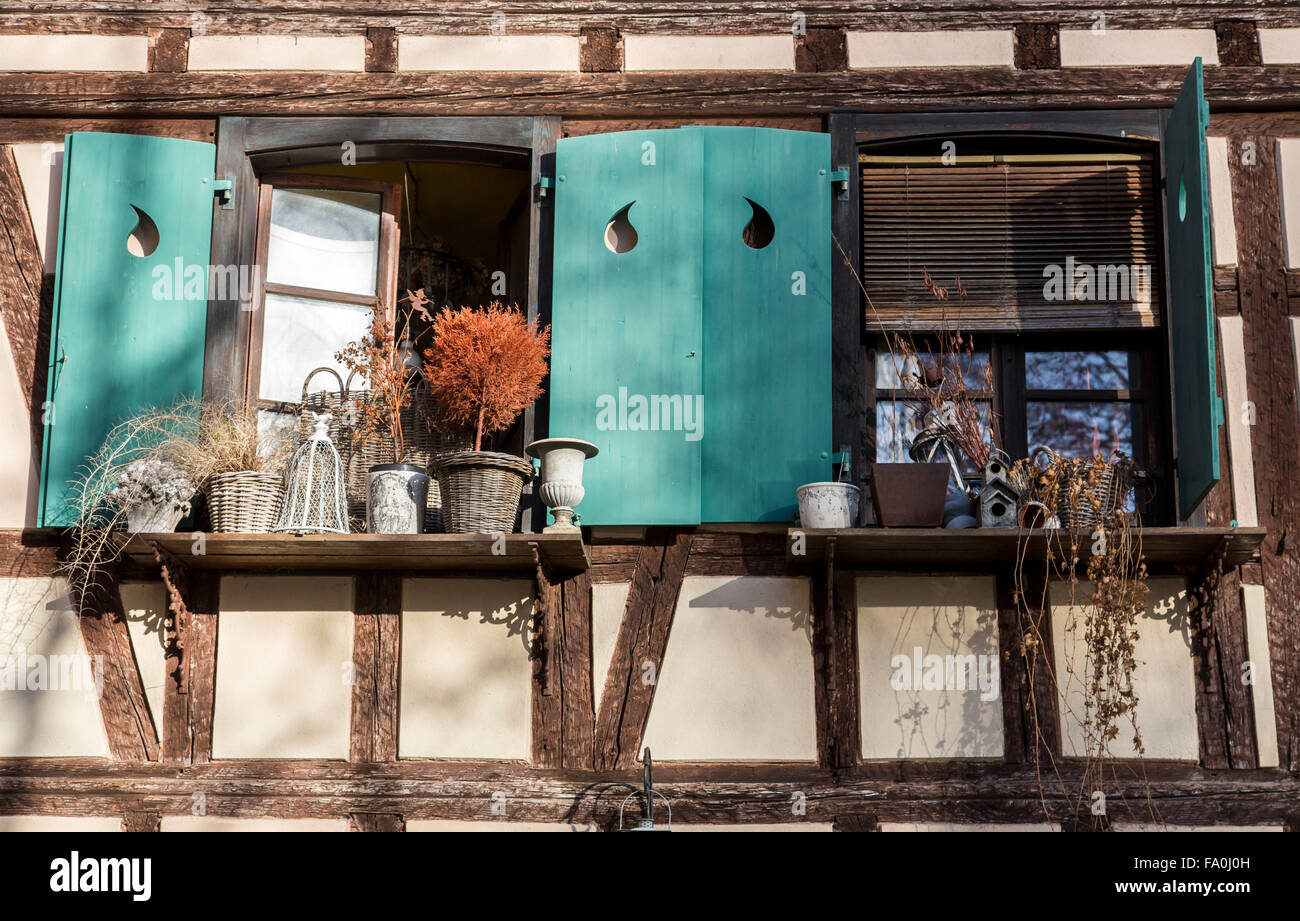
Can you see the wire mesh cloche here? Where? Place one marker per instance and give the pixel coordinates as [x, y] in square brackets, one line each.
[316, 497]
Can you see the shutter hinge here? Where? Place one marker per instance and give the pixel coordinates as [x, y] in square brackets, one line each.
[224, 189]
[545, 185]
[840, 180]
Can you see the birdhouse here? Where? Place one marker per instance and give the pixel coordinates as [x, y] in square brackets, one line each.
[998, 503]
[995, 471]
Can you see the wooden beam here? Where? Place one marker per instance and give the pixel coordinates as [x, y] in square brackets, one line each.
[632, 95]
[821, 50]
[1029, 706]
[578, 718]
[141, 821]
[835, 663]
[381, 50]
[374, 821]
[189, 692]
[28, 554]
[169, 51]
[959, 792]
[600, 50]
[1038, 46]
[122, 701]
[547, 696]
[639, 650]
[39, 130]
[25, 295]
[376, 652]
[1238, 42]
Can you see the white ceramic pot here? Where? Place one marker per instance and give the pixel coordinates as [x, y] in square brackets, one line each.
[396, 496]
[560, 486]
[157, 517]
[829, 505]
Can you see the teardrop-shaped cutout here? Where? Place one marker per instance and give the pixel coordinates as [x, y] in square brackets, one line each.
[142, 240]
[760, 230]
[620, 235]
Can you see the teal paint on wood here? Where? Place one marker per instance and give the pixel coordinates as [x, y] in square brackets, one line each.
[767, 320]
[120, 340]
[691, 318]
[1198, 411]
[626, 327]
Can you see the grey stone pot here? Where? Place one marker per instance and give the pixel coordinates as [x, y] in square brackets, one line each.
[396, 496]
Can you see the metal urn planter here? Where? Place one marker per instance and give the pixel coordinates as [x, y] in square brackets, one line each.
[561, 477]
[396, 498]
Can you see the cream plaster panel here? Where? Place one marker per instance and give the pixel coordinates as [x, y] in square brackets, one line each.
[278, 52]
[466, 676]
[1223, 230]
[58, 52]
[1139, 826]
[37, 619]
[902, 622]
[284, 651]
[1279, 46]
[737, 676]
[1253, 601]
[991, 826]
[1137, 47]
[492, 825]
[1164, 680]
[954, 48]
[527, 53]
[708, 52]
[1288, 180]
[40, 166]
[608, 601]
[60, 823]
[145, 604]
[1238, 419]
[19, 479]
[208, 823]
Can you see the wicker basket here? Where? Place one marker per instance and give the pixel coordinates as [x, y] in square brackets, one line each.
[246, 502]
[425, 443]
[1107, 495]
[481, 490]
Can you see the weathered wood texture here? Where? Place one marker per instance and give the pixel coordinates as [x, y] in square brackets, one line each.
[625, 95]
[25, 295]
[1029, 707]
[1275, 437]
[169, 51]
[141, 821]
[376, 821]
[835, 663]
[708, 16]
[37, 130]
[547, 696]
[28, 554]
[122, 701]
[564, 717]
[960, 792]
[820, 51]
[1238, 42]
[856, 823]
[1038, 46]
[381, 51]
[600, 50]
[639, 650]
[189, 693]
[578, 127]
[376, 652]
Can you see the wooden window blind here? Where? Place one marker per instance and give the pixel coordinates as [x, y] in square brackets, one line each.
[1014, 228]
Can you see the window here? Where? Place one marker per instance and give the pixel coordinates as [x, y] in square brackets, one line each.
[1057, 245]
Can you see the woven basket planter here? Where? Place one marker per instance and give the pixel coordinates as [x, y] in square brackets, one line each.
[246, 502]
[1108, 493]
[480, 491]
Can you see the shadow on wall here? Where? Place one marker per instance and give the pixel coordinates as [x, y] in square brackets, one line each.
[749, 595]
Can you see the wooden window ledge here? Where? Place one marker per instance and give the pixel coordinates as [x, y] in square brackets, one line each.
[352, 552]
[1170, 549]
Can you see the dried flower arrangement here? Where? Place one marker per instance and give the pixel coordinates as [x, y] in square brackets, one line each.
[377, 359]
[486, 366]
[154, 493]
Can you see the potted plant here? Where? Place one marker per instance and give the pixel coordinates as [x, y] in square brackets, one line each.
[396, 491]
[484, 368]
[154, 494]
[239, 468]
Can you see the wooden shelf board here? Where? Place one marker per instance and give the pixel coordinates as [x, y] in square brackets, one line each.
[941, 548]
[316, 552]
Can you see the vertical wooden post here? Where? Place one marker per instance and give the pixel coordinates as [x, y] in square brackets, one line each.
[189, 692]
[376, 650]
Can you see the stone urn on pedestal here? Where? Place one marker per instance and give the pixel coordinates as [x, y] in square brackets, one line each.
[561, 478]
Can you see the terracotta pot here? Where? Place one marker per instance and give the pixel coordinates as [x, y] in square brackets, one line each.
[909, 495]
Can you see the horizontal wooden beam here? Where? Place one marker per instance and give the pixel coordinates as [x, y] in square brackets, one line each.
[708, 16]
[631, 94]
[961, 792]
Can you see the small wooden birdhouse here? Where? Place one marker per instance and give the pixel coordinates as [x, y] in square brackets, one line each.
[995, 471]
[998, 503]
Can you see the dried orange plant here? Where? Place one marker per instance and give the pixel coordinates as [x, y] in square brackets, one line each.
[486, 366]
[377, 358]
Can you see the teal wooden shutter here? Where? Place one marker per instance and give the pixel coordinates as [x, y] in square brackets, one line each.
[767, 320]
[1198, 411]
[123, 336]
[626, 326]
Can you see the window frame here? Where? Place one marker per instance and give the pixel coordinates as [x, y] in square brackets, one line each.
[853, 410]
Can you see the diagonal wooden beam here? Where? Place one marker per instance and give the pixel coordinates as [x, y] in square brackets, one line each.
[22, 289]
[639, 650]
[122, 701]
[376, 642]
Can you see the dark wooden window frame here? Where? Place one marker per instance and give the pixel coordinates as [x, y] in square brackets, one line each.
[386, 268]
[249, 148]
[853, 369]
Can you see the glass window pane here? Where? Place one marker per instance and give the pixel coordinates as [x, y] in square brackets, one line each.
[324, 239]
[274, 427]
[897, 423]
[1080, 371]
[301, 334]
[1077, 429]
[889, 368]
